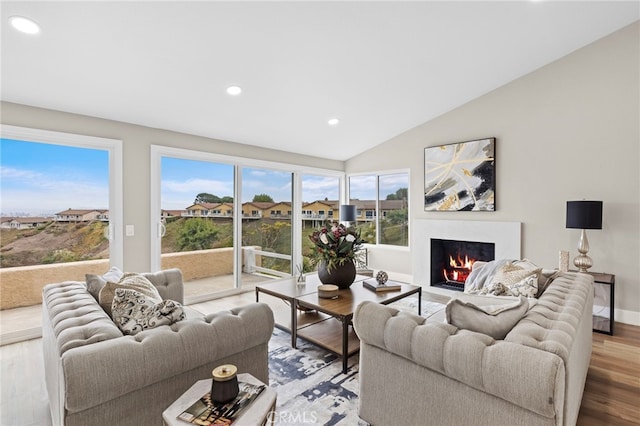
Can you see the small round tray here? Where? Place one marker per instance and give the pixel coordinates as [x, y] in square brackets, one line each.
[328, 291]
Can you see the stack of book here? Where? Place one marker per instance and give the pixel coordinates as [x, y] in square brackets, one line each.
[374, 285]
[205, 412]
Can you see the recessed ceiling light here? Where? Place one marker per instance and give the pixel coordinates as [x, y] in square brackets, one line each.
[24, 25]
[234, 90]
[333, 122]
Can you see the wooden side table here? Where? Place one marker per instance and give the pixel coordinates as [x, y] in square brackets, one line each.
[257, 413]
[603, 323]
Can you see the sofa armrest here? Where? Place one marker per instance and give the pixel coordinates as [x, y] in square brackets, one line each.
[169, 283]
[96, 373]
[524, 376]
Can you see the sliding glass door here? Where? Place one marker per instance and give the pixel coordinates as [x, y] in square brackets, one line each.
[229, 222]
[266, 224]
[197, 224]
[320, 205]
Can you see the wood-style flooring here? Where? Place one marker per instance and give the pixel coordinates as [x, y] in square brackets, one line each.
[611, 396]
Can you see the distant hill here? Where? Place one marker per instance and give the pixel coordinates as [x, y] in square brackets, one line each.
[53, 243]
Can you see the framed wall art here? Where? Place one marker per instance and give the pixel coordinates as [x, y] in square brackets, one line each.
[460, 176]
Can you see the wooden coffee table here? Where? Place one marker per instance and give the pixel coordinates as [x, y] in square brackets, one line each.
[336, 333]
[287, 290]
[326, 322]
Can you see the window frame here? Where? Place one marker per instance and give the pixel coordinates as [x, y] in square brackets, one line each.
[376, 214]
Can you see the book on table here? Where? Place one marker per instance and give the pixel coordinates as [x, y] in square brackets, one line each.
[205, 412]
[374, 285]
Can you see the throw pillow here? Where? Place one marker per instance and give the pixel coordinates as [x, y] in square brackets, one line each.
[96, 282]
[493, 320]
[131, 281]
[134, 311]
[514, 280]
[545, 280]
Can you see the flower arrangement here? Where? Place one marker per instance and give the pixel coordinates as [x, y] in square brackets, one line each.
[336, 244]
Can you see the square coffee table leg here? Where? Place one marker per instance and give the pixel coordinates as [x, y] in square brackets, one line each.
[294, 323]
[345, 343]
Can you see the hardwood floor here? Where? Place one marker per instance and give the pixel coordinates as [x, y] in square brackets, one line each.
[612, 392]
[611, 396]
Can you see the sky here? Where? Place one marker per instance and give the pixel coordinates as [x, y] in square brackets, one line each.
[38, 179]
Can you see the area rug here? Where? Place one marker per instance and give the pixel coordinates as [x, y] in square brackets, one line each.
[311, 387]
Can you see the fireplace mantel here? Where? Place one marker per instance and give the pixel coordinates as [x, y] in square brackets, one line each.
[505, 235]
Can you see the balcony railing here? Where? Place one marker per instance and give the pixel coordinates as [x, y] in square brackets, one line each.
[22, 286]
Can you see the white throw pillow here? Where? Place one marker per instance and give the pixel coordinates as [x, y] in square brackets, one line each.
[494, 320]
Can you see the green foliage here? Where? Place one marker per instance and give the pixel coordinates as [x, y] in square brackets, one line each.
[400, 194]
[197, 234]
[368, 232]
[205, 197]
[262, 198]
[336, 244]
[60, 256]
[397, 217]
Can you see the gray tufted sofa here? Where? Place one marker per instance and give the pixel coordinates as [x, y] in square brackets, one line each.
[96, 375]
[414, 372]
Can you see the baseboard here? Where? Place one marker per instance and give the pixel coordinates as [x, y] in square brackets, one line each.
[627, 317]
[20, 336]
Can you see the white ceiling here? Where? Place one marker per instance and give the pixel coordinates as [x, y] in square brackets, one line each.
[380, 67]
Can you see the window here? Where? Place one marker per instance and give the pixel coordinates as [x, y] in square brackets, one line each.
[63, 195]
[382, 207]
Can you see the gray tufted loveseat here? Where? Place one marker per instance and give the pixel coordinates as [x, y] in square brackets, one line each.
[414, 372]
[96, 375]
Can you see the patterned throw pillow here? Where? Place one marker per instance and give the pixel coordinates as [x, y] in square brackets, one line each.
[133, 311]
[513, 280]
[131, 281]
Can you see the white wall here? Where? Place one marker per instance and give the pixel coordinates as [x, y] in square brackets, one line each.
[136, 152]
[568, 131]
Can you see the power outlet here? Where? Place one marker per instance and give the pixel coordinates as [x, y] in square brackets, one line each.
[129, 231]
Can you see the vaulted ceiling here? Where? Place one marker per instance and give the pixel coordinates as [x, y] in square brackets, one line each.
[380, 68]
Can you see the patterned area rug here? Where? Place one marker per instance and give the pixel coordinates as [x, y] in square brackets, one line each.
[311, 387]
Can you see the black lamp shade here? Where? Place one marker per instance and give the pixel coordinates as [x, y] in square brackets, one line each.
[584, 214]
[347, 213]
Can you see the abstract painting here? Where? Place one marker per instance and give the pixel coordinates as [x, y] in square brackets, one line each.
[460, 176]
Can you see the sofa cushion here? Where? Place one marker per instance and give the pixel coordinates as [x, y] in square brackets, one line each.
[133, 311]
[131, 281]
[96, 282]
[494, 320]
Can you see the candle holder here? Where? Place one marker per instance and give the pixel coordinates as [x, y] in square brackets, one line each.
[224, 386]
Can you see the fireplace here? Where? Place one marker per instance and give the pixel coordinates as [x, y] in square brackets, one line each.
[451, 261]
[506, 236]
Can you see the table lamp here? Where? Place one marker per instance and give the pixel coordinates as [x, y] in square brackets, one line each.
[584, 215]
[347, 213]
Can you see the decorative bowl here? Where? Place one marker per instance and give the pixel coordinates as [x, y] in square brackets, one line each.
[328, 291]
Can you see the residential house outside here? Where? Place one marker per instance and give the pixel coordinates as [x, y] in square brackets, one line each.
[71, 215]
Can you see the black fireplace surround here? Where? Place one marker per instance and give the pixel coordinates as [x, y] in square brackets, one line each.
[463, 254]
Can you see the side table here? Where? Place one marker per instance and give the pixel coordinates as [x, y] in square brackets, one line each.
[257, 413]
[604, 289]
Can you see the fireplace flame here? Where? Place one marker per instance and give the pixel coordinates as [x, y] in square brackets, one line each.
[460, 263]
[461, 268]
